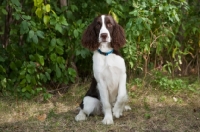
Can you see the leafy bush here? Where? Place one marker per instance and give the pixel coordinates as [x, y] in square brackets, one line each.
[38, 56]
[41, 41]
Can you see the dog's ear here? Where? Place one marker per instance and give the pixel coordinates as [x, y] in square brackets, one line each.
[118, 37]
[90, 37]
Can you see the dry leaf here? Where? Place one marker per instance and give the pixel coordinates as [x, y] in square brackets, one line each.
[42, 117]
[175, 99]
[133, 88]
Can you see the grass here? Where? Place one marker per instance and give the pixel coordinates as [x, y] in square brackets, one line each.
[152, 111]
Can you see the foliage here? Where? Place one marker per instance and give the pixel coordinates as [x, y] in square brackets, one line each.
[164, 82]
[36, 52]
[41, 41]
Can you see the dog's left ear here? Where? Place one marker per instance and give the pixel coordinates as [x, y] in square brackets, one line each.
[118, 37]
[90, 38]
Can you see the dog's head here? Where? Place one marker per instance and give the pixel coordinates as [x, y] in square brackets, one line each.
[104, 29]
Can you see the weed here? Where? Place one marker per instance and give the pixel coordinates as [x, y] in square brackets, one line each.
[147, 115]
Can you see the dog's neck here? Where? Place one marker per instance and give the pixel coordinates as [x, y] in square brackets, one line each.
[105, 47]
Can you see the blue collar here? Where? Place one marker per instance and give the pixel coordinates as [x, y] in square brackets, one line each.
[105, 53]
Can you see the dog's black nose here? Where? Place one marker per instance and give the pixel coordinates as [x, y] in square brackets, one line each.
[104, 35]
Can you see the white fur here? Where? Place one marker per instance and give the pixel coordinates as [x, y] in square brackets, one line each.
[110, 74]
[104, 30]
[91, 106]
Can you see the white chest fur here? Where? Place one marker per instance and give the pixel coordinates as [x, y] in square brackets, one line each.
[108, 70]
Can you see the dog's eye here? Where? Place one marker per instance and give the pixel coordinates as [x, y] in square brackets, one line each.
[98, 25]
[109, 25]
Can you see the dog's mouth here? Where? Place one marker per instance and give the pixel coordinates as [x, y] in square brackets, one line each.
[102, 40]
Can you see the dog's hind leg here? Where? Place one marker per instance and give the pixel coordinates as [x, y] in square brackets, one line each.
[89, 106]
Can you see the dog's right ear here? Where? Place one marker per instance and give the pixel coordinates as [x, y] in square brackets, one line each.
[90, 37]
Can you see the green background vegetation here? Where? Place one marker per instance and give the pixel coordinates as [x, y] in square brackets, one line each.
[40, 45]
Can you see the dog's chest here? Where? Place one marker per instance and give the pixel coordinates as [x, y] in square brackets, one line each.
[108, 68]
[101, 62]
[107, 71]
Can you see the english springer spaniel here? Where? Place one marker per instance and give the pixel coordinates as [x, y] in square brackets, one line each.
[107, 92]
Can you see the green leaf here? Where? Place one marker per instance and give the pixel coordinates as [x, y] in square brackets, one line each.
[31, 70]
[31, 57]
[74, 8]
[84, 5]
[4, 82]
[35, 39]
[160, 8]
[53, 57]
[135, 13]
[71, 72]
[4, 11]
[176, 17]
[28, 78]
[147, 26]
[53, 21]
[26, 17]
[115, 17]
[129, 24]
[2, 69]
[40, 34]
[58, 28]
[24, 27]
[2, 59]
[48, 8]
[15, 2]
[58, 71]
[24, 89]
[109, 2]
[13, 66]
[59, 41]
[23, 72]
[42, 77]
[75, 33]
[131, 64]
[38, 3]
[40, 59]
[23, 81]
[16, 15]
[53, 42]
[46, 19]
[31, 34]
[63, 21]
[60, 60]
[59, 50]
[48, 75]
[39, 12]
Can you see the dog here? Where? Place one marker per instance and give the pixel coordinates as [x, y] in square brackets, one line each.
[107, 93]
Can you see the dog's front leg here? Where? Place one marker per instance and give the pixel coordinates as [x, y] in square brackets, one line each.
[121, 98]
[104, 95]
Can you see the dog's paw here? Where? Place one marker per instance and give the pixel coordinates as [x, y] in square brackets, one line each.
[117, 112]
[127, 108]
[107, 120]
[81, 117]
